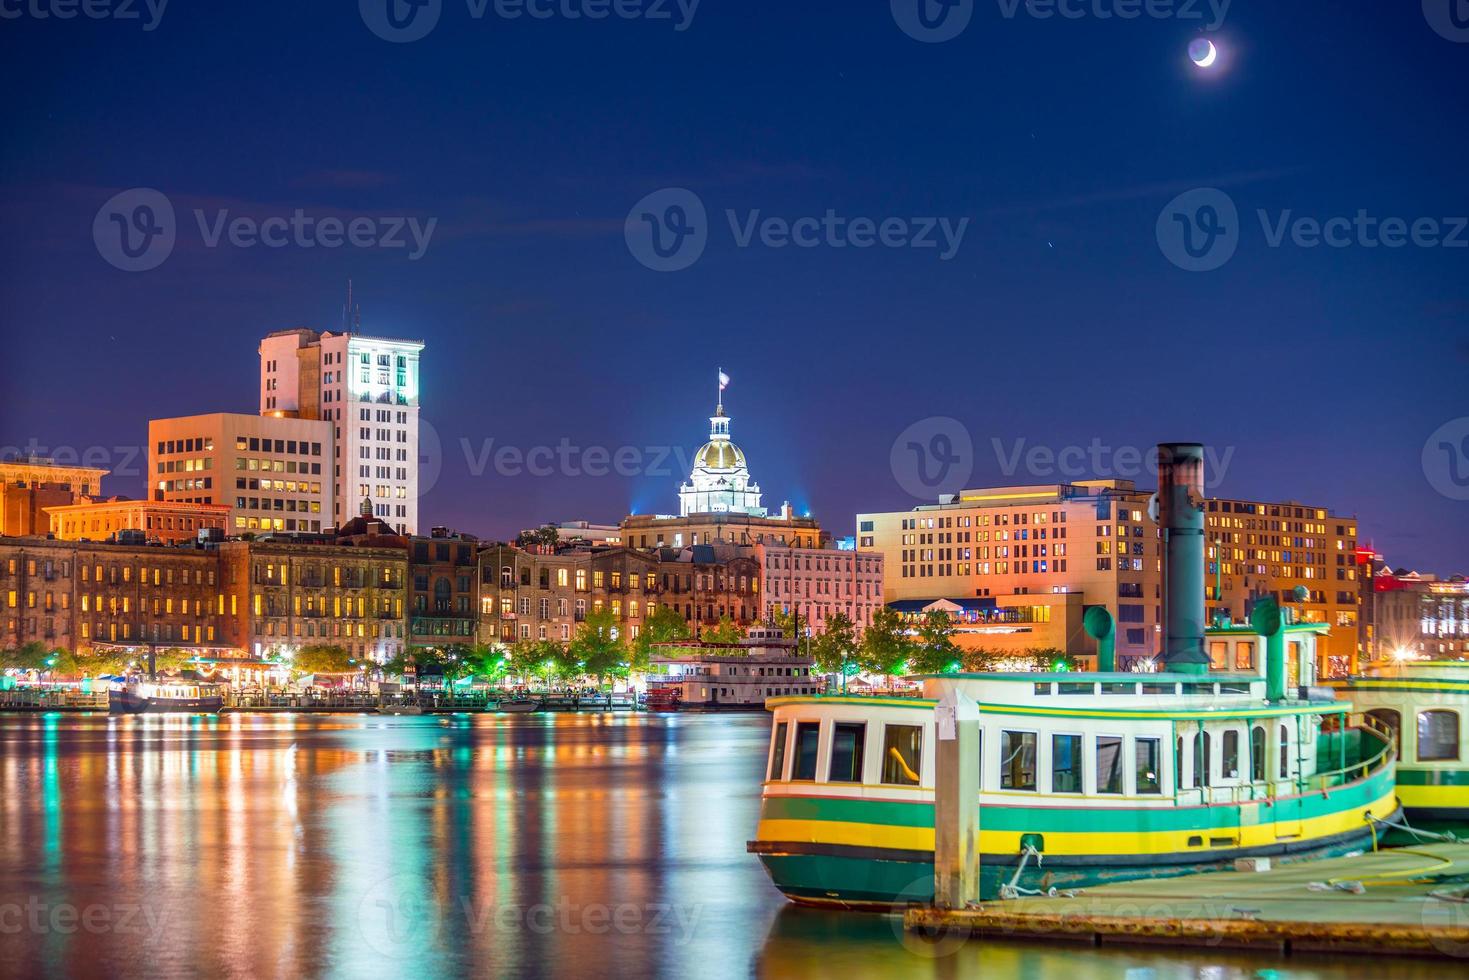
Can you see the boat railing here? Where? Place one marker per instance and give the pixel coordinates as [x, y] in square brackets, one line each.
[1268, 789]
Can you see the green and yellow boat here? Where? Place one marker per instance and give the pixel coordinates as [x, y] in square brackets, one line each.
[1084, 779]
[1423, 704]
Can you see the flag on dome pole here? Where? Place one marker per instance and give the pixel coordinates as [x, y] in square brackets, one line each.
[723, 380]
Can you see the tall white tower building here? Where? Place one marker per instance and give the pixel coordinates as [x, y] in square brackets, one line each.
[367, 387]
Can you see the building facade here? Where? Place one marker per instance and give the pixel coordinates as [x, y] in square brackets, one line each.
[30, 485]
[443, 589]
[367, 388]
[1421, 616]
[167, 522]
[279, 594]
[814, 583]
[526, 596]
[273, 473]
[90, 596]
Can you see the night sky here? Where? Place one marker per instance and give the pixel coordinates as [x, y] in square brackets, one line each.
[1324, 371]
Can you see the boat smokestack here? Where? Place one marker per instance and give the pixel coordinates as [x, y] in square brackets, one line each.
[1179, 511]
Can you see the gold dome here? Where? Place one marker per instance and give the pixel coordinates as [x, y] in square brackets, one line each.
[720, 456]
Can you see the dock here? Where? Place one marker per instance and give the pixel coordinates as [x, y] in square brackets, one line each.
[1411, 900]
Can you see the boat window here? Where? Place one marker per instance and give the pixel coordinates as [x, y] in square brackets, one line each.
[1065, 763]
[1203, 743]
[846, 752]
[1438, 735]
[1076, 688]
[1391, 721]
[1284, 752]
[1043, 689]
[1257, 754]
[1109, 764]
[1145, 755]
[1178, 782]
[778, 751]
[808, 736]
[1229, 762]
[1160, 688]
[1119, 688]
[1017, 760]
[1244, 655]
[1218, 654]
[902, 754]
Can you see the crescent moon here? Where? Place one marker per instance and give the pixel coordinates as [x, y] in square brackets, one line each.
[1211, 56]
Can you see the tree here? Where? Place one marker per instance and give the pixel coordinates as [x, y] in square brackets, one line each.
[935, 652]
[835, 648]
[885, 647]
[597, 647]
[27, 656]
[491, 663]
[322, 658]
[785, 622]
[725, 631]
[663, 624]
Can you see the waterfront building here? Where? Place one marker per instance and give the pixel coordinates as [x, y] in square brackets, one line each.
[136, 596]
[279, 593]
[1417, 615]
[273, 473]
[168, 522]
[529, 596]
[814, 583]
[1011, 558]
[38, 587]
[443, 588]
[87, 596]
[31, 484]
[709, 582]
[367, 388]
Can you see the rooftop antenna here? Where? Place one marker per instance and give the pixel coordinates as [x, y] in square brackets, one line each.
[351, 314]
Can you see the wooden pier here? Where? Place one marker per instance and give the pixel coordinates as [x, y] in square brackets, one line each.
[1412, 900]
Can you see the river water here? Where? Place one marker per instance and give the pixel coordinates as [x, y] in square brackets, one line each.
[358, 846]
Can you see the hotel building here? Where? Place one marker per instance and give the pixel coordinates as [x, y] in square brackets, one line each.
[273, 473]
[367, 388]
[1017, 566]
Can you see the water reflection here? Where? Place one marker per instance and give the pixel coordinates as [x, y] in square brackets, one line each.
[585, 845]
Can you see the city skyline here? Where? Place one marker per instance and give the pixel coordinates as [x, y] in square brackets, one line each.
[1057, 314]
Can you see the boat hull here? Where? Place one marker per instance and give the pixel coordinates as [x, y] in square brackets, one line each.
[865, 882]
[130, 703]
[875, 854]
[1434, 795]
[517, 707]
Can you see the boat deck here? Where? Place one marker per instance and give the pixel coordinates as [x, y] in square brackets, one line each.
[1277, 909]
